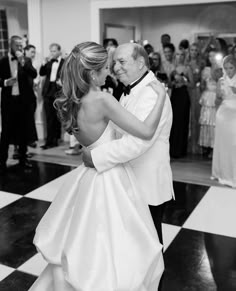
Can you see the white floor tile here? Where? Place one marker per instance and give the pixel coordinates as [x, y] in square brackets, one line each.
[7, 198]
[48, 191]
[169, 233]
[34, 266]
[216, 212]
[5, 271]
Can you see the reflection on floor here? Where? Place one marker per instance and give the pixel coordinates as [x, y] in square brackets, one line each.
[198, 228]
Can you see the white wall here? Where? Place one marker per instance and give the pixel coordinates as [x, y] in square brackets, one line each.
[66, 22]
[178, 21]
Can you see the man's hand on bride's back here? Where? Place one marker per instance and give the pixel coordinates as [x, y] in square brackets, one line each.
[87, 158]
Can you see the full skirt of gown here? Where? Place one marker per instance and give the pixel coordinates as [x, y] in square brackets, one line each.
[98, 235]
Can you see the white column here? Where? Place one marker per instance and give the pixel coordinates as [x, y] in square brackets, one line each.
[35, 38]
[35, 24]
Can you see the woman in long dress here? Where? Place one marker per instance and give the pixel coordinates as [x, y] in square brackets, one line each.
[182, 79]
[195, 62]
[210, 76]
[224, 153]
[98, 234]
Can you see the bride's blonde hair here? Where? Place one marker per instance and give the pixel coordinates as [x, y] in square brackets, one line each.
[76, 80]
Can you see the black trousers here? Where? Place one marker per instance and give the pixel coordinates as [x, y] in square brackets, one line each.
[157, 214]
[53, 124]
[14, 124]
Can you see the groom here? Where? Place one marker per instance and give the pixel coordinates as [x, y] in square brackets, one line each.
[149, 159]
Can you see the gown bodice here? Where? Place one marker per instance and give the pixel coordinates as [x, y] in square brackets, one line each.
[107, 135]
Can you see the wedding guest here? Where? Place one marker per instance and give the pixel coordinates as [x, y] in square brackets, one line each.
[169, 60]
[210, 75]
[51, 69]
[16, 78]
[30, 52]
[196, 64]
[157, 69]
[182, 79]
[224, 153]
[184, 46]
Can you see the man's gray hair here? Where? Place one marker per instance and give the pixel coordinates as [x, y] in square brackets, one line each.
[139, 51]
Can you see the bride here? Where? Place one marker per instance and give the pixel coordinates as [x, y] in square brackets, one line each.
[98, 234]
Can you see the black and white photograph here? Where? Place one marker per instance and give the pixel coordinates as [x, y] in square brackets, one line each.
[117, 145]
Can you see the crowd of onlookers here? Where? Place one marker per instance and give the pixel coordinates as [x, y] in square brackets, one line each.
[192, 74]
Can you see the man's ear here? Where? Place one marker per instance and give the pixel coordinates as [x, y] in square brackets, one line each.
[141, 62]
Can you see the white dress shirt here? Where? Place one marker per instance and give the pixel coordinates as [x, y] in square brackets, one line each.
[55, 66]
[14, 70]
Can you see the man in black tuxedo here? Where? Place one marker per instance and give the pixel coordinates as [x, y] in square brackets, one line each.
[16, 78]
[51, 69]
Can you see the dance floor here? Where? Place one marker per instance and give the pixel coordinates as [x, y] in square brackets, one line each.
[198, 227]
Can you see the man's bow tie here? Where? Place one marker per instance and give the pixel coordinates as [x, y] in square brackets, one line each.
[14, 58]
[127, 89]
[55, 60]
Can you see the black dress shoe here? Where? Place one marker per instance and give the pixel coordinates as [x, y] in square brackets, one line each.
[32, 144]
[3, 169]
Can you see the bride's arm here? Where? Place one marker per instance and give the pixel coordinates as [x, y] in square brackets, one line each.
[127, 121]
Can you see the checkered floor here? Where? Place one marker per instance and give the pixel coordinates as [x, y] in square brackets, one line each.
[198, 228]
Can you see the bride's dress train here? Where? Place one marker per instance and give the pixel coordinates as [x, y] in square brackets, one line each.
[98, 234]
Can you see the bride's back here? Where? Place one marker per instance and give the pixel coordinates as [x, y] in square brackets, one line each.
[90, 119]
[80, 105]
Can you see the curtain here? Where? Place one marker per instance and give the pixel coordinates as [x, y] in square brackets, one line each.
[3, 33]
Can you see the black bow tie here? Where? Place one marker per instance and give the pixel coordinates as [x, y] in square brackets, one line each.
[14, 58]
[55, 60]
[127, 89]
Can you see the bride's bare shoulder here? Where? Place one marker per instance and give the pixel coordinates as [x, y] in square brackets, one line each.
[105, 97]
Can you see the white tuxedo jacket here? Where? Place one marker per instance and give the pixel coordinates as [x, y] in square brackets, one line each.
[149, 159]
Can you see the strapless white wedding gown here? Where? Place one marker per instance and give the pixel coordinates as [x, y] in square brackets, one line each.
[98, 234]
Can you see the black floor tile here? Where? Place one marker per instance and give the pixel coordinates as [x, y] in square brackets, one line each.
[17, 225]
[17, 281]
[187, 196]
[22, 182]
[197, 261]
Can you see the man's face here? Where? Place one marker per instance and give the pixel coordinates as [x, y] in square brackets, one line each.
[16, 45]
[55, 52]
[156, 61]
[125, 67]
[30, 53]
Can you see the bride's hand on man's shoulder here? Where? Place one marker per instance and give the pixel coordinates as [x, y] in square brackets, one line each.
[158, 87]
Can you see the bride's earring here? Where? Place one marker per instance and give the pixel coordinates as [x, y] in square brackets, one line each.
[94, 80]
